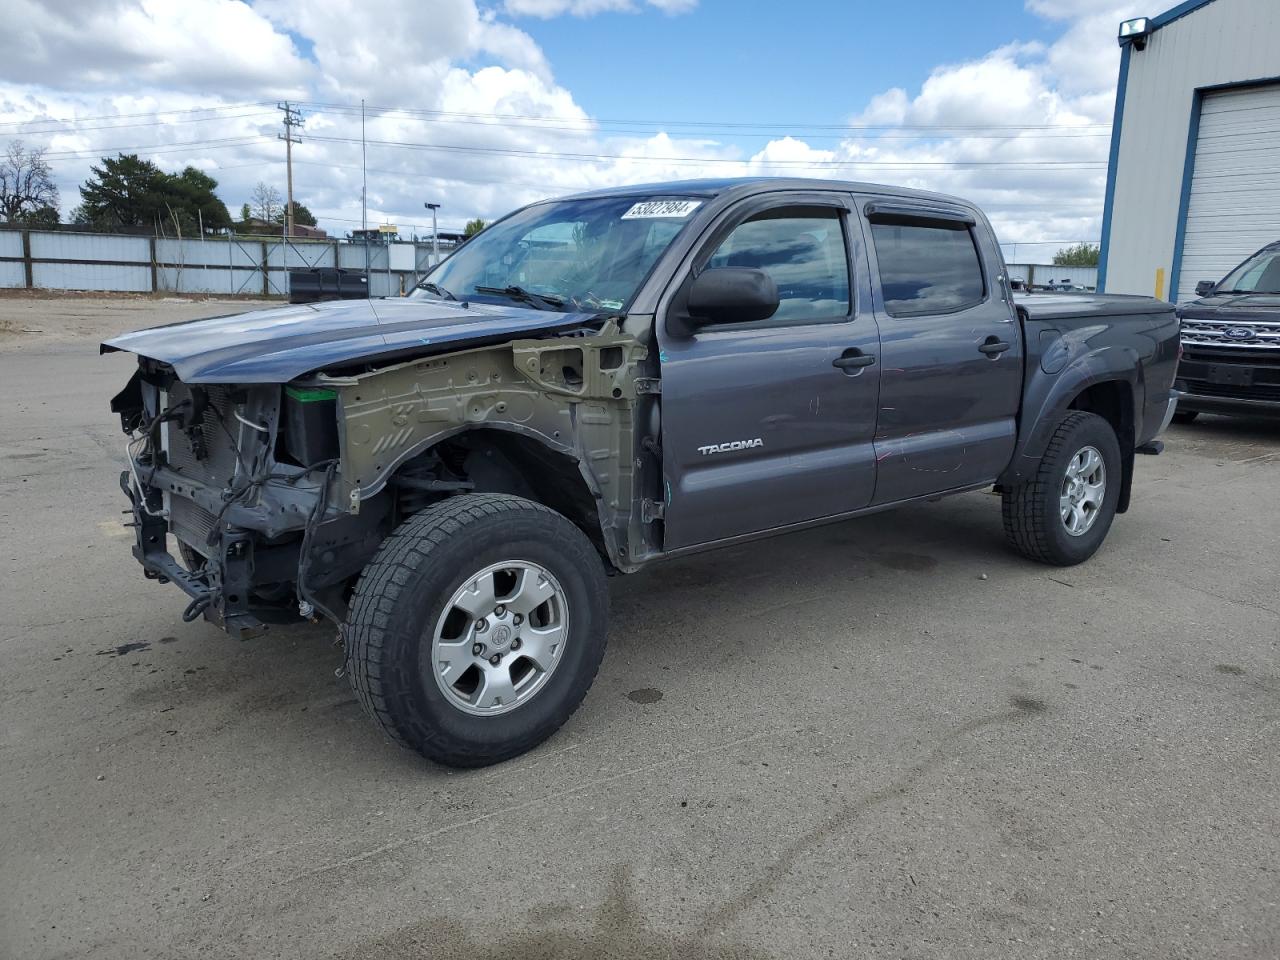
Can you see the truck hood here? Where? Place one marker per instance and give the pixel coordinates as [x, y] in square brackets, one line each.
[1234, 306]
[280, 344]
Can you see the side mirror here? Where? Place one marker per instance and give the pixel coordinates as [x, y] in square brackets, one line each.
[732, 295]
[1204, 288]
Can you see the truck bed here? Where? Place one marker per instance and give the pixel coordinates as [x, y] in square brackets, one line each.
[1058, 306]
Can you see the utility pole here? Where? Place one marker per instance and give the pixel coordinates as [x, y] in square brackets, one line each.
[292, 118]
[364, 193]
[435, 234]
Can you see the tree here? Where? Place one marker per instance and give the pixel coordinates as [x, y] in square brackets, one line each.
[266, 203]
[244, 212]
[1080, 255]
[126, 191]
[40, 217]
[301, 215]
[196, 203]
[472, 228]
[26, 183]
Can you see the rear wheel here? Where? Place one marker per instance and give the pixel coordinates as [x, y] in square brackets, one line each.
[477, 629]
[1062, 515]
[1185, 416]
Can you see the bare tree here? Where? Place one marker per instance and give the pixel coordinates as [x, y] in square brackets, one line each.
[26, 183]
[266, 202]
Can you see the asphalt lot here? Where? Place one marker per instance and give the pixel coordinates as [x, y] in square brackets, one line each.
[841, 743]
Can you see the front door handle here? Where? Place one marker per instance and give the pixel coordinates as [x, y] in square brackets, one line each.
[993, 346]
[853, 359]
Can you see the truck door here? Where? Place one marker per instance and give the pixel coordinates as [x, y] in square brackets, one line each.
[771, 423]
[951, 350]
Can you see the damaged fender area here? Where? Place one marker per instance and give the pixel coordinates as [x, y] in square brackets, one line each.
[574, 397]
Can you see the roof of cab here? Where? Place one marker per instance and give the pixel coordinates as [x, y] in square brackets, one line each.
[747, 186]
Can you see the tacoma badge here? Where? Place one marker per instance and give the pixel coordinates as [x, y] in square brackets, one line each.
[731, 445]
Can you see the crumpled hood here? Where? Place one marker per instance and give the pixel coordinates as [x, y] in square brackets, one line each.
[1234, 306]
[280, 344]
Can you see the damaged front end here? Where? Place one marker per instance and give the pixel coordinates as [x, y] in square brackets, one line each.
[276, 496]
[242, 478]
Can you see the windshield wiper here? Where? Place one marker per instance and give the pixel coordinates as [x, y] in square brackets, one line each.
[539, 301]
[435, 288]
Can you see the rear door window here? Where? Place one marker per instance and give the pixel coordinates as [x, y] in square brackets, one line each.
[927, 267]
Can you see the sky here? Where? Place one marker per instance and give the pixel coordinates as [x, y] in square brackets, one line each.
[485, 105]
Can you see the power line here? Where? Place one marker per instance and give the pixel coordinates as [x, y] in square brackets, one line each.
[805, 164]
[322, 105]
[130, 116]
[149, 123]
[715, 129]
[162, 148]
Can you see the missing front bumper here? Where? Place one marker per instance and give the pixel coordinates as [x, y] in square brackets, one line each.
[220, 593]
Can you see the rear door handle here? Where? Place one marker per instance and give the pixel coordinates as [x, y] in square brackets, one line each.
[992, 346]
[853, 359]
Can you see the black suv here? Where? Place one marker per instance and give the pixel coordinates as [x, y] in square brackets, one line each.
[1231, 342]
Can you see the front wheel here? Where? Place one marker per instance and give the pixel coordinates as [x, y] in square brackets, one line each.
[478, 627]
[1062, 515]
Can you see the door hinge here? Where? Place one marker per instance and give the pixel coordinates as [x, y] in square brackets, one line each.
[648, 386]
[651, 510]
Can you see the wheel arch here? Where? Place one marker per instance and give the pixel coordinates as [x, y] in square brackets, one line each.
[1106, 382]
[511, 459]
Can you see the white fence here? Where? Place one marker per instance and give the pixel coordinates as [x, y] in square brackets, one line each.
[244, 266]
[1044, 274]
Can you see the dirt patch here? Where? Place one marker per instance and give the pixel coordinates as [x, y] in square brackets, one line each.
[30, 318]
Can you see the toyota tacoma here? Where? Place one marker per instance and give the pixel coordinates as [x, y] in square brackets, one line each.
[597, 383]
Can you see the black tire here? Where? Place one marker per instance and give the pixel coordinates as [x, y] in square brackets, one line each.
[401, 597]
[1185, 416]
[1032, 517]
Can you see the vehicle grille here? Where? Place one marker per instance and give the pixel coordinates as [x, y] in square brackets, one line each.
[1197, 332]
[216, 432]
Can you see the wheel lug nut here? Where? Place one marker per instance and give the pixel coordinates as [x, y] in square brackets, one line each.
[515, 644]
[517, 619]
[477, 649]
[496, 659]
[482, 626]
[499, 610]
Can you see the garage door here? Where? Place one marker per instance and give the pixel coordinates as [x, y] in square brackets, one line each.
[1234, 206]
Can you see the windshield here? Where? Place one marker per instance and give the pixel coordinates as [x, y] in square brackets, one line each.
[1259, 274]
[574, 255]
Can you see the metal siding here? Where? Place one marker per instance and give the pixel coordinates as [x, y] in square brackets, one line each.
[351, 257]
[300, 256]
[12, 275]
[91, 276]
[1229, 41]
[90, 246]
[197, 279]
[1234, 201]
[10, 243]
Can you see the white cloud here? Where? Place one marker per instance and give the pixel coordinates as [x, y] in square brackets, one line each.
[191, 45]
[546, 9]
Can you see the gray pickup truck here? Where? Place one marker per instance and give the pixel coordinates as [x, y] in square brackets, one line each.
[596, 383]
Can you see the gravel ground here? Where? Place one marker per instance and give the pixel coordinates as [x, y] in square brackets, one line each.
[841, 743]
